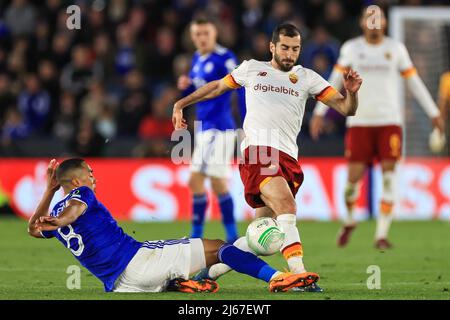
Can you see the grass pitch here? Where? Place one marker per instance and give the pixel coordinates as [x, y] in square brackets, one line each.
[417, 268]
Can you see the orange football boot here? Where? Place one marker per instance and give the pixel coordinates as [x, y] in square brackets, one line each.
[288, 280]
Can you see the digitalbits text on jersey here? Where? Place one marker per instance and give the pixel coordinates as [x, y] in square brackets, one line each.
[281, 89]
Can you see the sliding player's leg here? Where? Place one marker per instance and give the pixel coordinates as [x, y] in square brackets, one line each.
[247, 263]
[219, 269]
[351, 194]
[165, 265]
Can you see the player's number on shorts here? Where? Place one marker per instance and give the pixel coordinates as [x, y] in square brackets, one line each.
[72, 235]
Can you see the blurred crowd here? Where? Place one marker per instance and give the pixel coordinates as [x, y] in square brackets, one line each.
[115, 76]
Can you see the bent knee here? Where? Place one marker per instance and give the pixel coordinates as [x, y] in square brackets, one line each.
[196, 184]
[211, 250]
[285, 205]
[212, 245]
[219, 186]
[218, 242]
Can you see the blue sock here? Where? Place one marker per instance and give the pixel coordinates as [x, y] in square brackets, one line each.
[199, 201]
[245, 262]
[227, 209]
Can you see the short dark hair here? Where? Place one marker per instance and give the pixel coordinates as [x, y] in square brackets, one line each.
[285, 29]
[202, 20]
[67, 166]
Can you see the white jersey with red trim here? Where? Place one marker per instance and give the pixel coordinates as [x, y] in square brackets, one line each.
[380, 67]
[275, 102]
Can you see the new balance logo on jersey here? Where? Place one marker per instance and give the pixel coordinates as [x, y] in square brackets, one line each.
[262, 74]
[282, 89]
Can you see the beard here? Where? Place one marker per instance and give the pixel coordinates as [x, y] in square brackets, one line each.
[284, 65]
[375, 35]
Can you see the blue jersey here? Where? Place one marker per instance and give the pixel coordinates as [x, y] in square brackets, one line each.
[215, 113]
[94, 238]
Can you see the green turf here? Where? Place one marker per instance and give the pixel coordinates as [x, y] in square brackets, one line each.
[417, 268]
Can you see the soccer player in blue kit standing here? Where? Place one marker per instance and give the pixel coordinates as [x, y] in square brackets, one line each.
[215, 139]
[86, 227]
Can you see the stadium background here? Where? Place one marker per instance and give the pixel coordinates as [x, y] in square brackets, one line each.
[106, 92]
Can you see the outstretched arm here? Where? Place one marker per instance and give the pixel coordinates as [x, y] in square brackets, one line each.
[208, 91]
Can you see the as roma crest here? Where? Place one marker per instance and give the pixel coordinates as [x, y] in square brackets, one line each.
[293, 77]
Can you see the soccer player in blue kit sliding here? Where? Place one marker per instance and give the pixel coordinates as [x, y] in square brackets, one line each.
[215, 138]
[86, 227]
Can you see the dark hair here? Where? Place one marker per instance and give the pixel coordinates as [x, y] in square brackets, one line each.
[202, 20]
[285, 29]
[68, 165]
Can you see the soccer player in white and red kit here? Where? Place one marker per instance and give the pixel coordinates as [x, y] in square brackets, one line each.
[375, 133]
[276, 92]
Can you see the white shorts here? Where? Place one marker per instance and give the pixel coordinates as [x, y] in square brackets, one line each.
[158, 262]
[213, 152]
